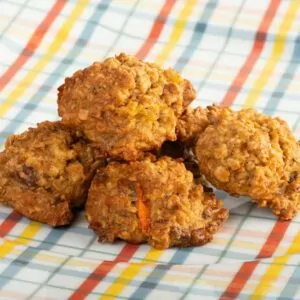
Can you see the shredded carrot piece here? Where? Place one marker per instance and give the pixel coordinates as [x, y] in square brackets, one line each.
[143, 210]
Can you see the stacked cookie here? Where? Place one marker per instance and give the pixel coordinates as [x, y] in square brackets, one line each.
[131, 152]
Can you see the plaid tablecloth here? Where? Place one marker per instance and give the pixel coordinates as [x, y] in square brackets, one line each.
[243, 53]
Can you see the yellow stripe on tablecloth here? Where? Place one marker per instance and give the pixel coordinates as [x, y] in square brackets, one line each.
[274, 270]
[277, 51]
[58, 41]
[28, 233]
[129, 273]
[177, 31]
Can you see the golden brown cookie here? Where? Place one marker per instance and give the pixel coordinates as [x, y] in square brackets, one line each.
[124, 106]
[154, 201]
[251, 154]
[192, 123]
[45, 172]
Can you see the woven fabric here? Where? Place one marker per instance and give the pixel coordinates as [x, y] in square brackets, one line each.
[243, 53]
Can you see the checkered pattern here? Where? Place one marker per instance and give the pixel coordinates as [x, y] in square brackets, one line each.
[243, 53]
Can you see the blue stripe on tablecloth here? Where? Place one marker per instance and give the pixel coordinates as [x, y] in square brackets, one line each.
[15, 265]
[292, 286]
[222, 51]
[191, 286]
[26, 256]
[121, 33]
[197, 36]
[54, 235]
[151, 282]
[285, 79]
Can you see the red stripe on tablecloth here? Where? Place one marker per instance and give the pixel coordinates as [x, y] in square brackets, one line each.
[257, 48]
[101, 271]
[33, 43]
[242, 276]
[156, 29]
[9, 223]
